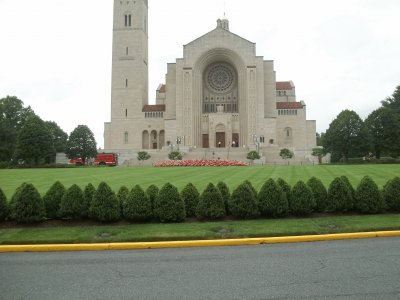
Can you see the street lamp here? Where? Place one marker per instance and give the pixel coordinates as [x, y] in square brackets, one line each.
[178, 141]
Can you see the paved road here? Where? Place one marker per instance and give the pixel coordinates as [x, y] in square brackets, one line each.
[352, 269]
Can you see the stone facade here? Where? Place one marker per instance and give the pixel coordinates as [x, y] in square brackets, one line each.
[220, 94]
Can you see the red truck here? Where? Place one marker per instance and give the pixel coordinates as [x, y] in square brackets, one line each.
[102, 159]
[106, 159]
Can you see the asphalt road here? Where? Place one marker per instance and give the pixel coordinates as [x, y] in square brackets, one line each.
[351, 269]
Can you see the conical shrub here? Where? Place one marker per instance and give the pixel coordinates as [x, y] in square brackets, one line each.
[350, 201]
[152, 192]
[88, 193]
[391, 194]
[211, 205]
[122, 195]
[190, 196]
[251, 187]
[105, 206]
[285, 187]
[137, 206]
[169, 205]
[271, 200]
[72, 203]
[243, 203]
[27, 206]
[368, 197]
[339, 196]
[226, 195]
[302, 199]
[4, 209]
[52, 200]
[320, 194]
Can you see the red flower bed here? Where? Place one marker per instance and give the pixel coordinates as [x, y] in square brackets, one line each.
[201, 163]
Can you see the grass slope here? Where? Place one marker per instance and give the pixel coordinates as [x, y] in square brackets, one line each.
[42, 179]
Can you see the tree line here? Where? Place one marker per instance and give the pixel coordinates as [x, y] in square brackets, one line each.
[349, 136]
[26, 138]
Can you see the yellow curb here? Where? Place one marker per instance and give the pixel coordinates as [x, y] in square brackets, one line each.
[195, 243]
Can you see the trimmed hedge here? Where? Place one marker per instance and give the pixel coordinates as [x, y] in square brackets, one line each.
[368, 197]
[137, 206]
[271, 200]
[26, 205]
[4, 210]
[303, 201]
[152, 192]
[211, 205]
[52, 200]
[285, 187]
[122, 195]
[169, 206]
[72, 203]
[351, 200]
[320, 194]
[190, 196]
[339, 196]
[105, 206]
[243, 203]
[226, 195]
[391, 194]
[88, 193]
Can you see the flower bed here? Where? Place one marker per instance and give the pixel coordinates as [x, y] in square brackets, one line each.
[201, 163]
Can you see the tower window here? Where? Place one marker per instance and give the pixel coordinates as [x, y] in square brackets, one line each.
[128, 20]
[126, 82]
[127, 50]
[126, 112]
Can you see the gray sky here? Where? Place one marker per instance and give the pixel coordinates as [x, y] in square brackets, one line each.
[56, 55]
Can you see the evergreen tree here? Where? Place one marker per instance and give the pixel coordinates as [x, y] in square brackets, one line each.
[4, 210]
[27, 205]
[122, 195]
[105, 206]
[391, 194]
[350, 201]
[88, 193]
[52, 200]
[303, 200]
[243, 203]
[224, 190]
[271, 200]
[137, 206]
[285, 187]
[190, 196]
[72, 203]
[211, 205]
[152, 192]
[368, 197]
[320, 194]
[339, 196]
[169, 205]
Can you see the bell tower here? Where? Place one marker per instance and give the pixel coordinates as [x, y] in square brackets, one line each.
[129, 82]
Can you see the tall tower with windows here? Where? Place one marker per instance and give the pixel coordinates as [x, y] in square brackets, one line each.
[129, 82]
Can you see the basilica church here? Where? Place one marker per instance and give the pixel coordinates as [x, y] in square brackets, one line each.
[220, 95]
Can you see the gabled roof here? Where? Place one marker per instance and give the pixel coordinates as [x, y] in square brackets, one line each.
[284, 85]
[289, 105]
[154, 107]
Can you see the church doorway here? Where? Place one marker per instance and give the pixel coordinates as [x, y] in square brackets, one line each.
[220, 139]
[235, 139]
[206, 143]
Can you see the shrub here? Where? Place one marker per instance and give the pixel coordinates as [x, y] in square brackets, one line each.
[391, 194]
[271, 200]
[285, 187]
[302, 199]
[243, 203]
[224, 190]
[104, 206]
[351, 200]
[88, 193]
[122, 195]
[169, 205]
[72, 203]
[211, 205]
[320, 194]
[175, 155]
[339, 196]
[52, 200]
[252, 155]
[4, 211]
[368, 197]
[137, 206]
[152, 192]
[27, 205]
[286, 153]
[190, 196]
[251, 187]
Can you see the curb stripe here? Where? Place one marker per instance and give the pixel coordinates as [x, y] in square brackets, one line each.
[195, 243]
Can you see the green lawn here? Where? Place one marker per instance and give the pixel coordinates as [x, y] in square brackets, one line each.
[200, 230]
[42, 179]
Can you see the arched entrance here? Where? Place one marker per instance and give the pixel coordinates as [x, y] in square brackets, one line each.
[220, 139]
[153, 141]
[145, 139]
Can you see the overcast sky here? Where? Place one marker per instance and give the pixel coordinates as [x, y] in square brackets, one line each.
[56, 55]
